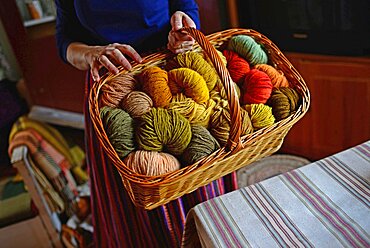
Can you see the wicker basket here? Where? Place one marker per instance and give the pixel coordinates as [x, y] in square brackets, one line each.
[149, 192]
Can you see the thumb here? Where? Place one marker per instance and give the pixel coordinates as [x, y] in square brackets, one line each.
[187, 21]
[176, 21]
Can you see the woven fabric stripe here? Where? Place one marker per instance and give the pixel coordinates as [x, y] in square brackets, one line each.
[221, 214]
[232, 223]
[347, 181]
[281, 223]
[220, 224]
[285, 222]
[275, 233]
[363, 151]
[215, 229]
[117, 222]
[349, 226]
[329, 214]
[362, 183]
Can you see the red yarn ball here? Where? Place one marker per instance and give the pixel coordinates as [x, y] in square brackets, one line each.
[236, 65]
[256, 88]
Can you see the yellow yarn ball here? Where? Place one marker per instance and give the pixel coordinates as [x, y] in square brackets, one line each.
[196, 62]
[190, 82]
[197, 114]
[260, 115]
[155, 83]
[220, 90]
[220, 122]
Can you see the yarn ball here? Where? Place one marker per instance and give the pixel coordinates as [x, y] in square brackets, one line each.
[120, 129]
[277, 77]
[201, 145]
[114, 90]
[284, 101]
[219, 90]
[248, 48]
[261, 115]
[197, 114]
[236, 65]
[137, 103]
[190, 82]
[154, 82]
[151, 163]
[163, 130]
[222, 57]
[196, 62]
[220, 123]
[256, 88]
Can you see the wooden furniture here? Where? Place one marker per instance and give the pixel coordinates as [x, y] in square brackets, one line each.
[50, 81]
[339, 115]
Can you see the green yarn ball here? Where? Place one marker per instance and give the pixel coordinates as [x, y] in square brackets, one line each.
[120, 129]
[163, 130]
[260, 114]
[249, 49]
[201, 145]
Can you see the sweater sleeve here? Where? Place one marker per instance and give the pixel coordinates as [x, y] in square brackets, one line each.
[190, 7]
[68, 28]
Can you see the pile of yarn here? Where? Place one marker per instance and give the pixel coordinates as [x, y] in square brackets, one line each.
[265, 91]
[176, 113]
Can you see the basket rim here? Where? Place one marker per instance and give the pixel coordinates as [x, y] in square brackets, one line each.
[154, 58]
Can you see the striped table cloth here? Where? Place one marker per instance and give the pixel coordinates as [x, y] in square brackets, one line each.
[323, 204]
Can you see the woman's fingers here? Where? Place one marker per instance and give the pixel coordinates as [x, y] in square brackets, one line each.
[178, 46]
[130, 51]
[117, 52]
[106, 62]
[94, 71]
[111, 57]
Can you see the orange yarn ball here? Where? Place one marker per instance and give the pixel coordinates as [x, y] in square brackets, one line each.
[151, 163]
[155, 83]
[256, 88]
[113, 91]
[236, 65]
[277, 77]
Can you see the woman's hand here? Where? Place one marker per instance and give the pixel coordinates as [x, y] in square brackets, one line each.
[179, 42]
[95, 57]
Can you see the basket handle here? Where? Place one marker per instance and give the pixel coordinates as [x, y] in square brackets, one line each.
[234, 142]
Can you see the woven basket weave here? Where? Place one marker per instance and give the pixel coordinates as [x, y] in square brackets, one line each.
[149, 192]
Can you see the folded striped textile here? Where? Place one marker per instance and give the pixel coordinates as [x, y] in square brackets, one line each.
[52, 197]
[71, 152]
[50, 162]
[323, 204]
